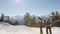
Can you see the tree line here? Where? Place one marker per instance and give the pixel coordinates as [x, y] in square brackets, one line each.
[6, 19]
[32, 20]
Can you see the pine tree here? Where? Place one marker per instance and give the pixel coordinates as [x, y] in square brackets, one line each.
[27, 19]
[16, 23]
[55, 16]
[33, 20]
[2, 18]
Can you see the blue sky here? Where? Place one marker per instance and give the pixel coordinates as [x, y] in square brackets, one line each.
[34, 7]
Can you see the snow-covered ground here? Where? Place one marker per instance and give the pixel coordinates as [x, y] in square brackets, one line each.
[6, 28]
[19, 30]
[55, 30]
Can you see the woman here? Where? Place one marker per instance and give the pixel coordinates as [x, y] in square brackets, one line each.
[48, 27]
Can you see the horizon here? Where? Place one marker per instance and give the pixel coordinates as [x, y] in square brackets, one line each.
[34, 7]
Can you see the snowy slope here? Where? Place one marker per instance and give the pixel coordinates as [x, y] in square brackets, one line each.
[3, 24]
[18, 30]
[55, 30]
[21, 29]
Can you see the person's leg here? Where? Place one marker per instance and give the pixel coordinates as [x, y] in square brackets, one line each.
[50, 30]
[41, 32]
[46, 30]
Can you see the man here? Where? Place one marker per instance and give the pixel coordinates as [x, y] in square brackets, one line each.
[40, 21]
[48, 27]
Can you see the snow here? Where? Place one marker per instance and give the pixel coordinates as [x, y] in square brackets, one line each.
[55, 30]
[6, 28]
[4, 24]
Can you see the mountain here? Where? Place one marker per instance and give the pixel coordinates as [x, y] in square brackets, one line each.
[44, 17]
[19, 18]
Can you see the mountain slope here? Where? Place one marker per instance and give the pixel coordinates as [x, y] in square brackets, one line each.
[18, 18]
